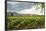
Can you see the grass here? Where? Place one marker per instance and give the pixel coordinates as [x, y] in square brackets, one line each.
[25, 22]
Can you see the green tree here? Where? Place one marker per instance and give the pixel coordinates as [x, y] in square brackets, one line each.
[42, 6]
[11, 14]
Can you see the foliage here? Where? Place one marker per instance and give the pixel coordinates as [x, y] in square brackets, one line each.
[25, 22]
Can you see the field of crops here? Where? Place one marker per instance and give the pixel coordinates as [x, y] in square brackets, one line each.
[25, 22]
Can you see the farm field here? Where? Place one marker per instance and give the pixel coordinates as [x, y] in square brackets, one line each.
[25, 22]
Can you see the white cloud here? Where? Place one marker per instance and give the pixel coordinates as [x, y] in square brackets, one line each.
[31, 0]
[31, 11]
[9, 2]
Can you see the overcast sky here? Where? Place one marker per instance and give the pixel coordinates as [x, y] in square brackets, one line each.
[28, 0]
[18, 6]
[23, 8]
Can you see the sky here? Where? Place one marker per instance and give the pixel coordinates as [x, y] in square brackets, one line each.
[18, 6]
[23, 8]
[28, 0]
